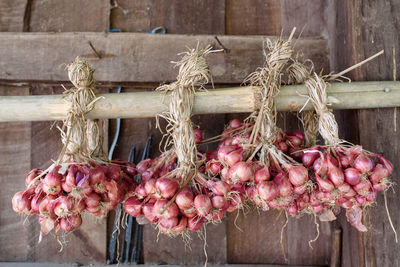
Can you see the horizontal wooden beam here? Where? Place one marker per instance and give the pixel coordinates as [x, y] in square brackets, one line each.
[134, 57]
[357, 95]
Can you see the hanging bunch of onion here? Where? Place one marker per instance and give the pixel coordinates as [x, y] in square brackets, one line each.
[60, 195]
[160, 199]
[348, 177]
[325, 179]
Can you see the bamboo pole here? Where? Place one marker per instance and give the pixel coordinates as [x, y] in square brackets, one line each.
[356, 95]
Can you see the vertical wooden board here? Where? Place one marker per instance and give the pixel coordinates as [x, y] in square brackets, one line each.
[254, 237]
[69, 16]
[183, 17]
[340, 40]
[377, 27]
[302, 230]
[308, 16]
[15, 157]
[12, 15]
[377, 134]
[253, 17]
[175, 250]
[85, 245]
[15, 145]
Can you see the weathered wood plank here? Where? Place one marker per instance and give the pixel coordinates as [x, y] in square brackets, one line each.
[69, 16]
[309, 16]
[15, 144]
[254, 237]
[12, 15]
[167, 250]
[253, 17]
[176, 16]
[340, 39]
[133, 57]
[377, 127]
[15, 158]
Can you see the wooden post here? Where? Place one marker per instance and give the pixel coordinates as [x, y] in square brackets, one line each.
[336, 248]
[357, 95]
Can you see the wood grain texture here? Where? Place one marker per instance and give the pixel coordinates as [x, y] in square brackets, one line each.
[341, 43]
[379, 30]
[176, 16]
[254, 237]
[308, 16]
[69, 16]
[166, 250]
[88, 243]
[138, 57]
[15, 145]
[15, 158]
[253, 17]
[12, 15]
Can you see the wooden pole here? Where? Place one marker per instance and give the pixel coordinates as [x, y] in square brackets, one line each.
[356, 95]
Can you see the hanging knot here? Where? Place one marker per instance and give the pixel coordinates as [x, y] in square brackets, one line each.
[282, 52]
[193, 74]
[82, 138]
[80, 74]
[328, 127]
[267, 82]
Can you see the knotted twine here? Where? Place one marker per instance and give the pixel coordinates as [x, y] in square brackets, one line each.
[193, 74]
[298, 73]
[82, 138]
[267, 82]
[327, 125]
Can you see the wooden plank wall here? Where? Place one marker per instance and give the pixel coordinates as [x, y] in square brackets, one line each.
[354, 29]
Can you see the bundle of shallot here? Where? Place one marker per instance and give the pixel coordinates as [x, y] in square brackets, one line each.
[172, 193]
[81, 178]
[346, 175]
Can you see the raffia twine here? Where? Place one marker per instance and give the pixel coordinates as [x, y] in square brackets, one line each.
[82, 138]
[327, 125]
[267, 80]
[324, 120]
[298, 73]
[193, 74]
